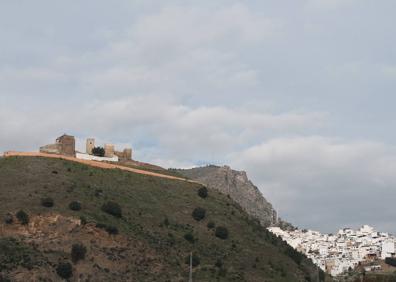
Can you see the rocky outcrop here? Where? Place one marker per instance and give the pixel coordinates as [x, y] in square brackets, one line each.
[237, 185]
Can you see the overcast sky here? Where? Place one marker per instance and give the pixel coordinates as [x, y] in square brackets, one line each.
[299, 93]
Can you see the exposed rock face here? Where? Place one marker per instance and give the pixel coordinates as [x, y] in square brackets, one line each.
[238, 186]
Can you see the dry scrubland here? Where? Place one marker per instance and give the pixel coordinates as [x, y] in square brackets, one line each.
[148, 241]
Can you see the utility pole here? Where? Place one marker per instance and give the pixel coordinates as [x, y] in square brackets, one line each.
[190, 277]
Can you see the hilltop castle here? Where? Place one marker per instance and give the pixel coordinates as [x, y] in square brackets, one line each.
[66, 145]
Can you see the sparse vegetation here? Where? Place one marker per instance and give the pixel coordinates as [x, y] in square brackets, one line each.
[14, 253]
[23, 217]
[112, 208]
[78, 252]
[47, 202]
[199, 213]
[156, 215]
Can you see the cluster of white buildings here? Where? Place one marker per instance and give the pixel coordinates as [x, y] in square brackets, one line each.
[338, 253]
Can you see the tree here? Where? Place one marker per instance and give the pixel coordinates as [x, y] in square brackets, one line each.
[64, 270]
[195, 260]
[221, 232]
[75, 206]
[112, 208]
[47, 202]
[98, 151]
[78, 252]
[203, 192]
[390, 261]
[198, 214]
[189, 237]
[23, 217]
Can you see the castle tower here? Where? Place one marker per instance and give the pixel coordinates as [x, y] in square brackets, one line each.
[109, 150]
[128, 154]
[90, 145]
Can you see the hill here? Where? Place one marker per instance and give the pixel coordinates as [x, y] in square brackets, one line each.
[145, 233]
[237, 185]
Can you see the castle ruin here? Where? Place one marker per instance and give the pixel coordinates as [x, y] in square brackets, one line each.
[110, 152]
[66, 145]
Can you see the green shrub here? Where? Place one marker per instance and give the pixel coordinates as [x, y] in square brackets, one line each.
[203, 192]
[23, 217]
[4, 278]
[195, 260]
[75, 206]
[98, 151]
[199, 214]
[8, 219]
[78, 252]
[221, 232]
[47, 202]
[83, 220]
[219, 263]
[390, 261]
[112, 230]
[64, 270]
[294, 255]
[211, 225]
[112, 208]
[189, 237]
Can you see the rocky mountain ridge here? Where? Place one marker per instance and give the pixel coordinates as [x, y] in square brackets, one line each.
[237, 185]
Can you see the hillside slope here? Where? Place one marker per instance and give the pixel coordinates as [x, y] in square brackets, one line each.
[237, 185]
[156, 229]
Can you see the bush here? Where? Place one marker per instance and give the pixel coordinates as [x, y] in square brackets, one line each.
[4, 278]
[47, 202]
[112, 208]
[78, 252]
[75, 206]
[211, 225]
[98, 151]
[83, 220]
[195, 260]
[221, 232]
[8, 219]
[199, 214]
[219, 263]
[23, 217]
[189, 237]
[294, 255]
[390, 261]
[112, 230]
[203, 192]
[64, 270]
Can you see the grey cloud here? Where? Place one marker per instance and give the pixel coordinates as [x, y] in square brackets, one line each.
[338, 183]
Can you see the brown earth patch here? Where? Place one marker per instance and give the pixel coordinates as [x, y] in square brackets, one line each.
[108, 257]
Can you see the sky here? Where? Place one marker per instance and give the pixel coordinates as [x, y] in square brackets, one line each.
[298, 93]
